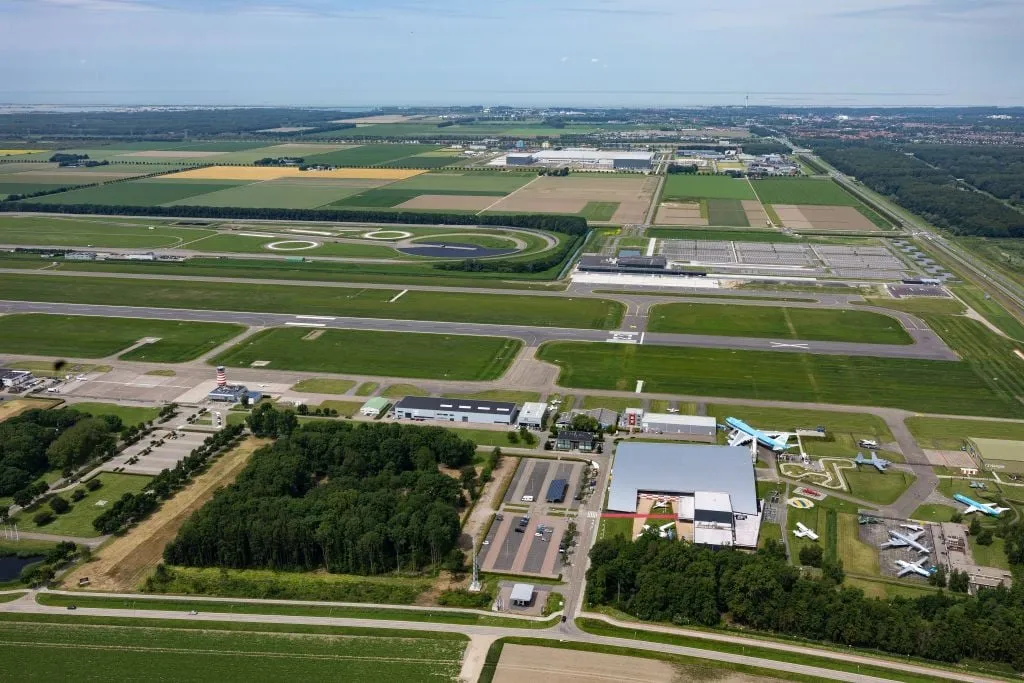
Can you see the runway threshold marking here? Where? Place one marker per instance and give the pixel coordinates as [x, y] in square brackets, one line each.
[779, 345]
[315, 317]
[639, 386]
[622, 338]
[398, 296]
[307, 324]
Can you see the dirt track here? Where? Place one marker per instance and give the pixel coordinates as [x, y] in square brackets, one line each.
[124, 564]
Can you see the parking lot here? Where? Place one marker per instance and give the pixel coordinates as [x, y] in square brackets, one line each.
[528, 551]
[176, 445]
[534, 476]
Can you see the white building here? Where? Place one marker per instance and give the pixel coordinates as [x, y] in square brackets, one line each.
[693, 427]
[531, 415]
[14, 378]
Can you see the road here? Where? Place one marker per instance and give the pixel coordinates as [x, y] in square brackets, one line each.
[563, 632]
[927, 345]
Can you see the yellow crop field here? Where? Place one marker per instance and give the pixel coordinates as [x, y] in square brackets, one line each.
[275, 172]
[12, 152]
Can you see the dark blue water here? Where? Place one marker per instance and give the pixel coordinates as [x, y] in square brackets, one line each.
[11, 566]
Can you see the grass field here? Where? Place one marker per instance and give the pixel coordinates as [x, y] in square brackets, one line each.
[615, 526]
[991, 309]
[400, 390]
[373, 155]
[48, 651]
[261, 173]
[94, 337]
[498, 183]
[137, 193]
[822, 192]
[950, 434]
[599, 211]
[869, 484]
[927, 386]
[248, 244]
[129, 415]
[931, 512]
[727, 212]
[281, 194]
[366, 388]
[455, 307]
[814, 324]
[78, 520]
[97, 232]
[324, 386]
[679, 187]
[725, 235]
[918, 305]
[361, 352]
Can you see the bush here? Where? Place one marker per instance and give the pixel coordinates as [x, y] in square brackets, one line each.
[59, 505]
[985, 537]
[93, 484]
[811, 555]
[43, 518]
[77, 495]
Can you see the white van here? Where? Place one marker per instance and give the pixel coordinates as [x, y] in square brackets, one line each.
[527, 499]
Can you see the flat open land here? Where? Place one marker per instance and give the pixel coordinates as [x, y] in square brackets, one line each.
[543, 664]
[136, 193]
[78, 520]
[447, 201]
[374, 303]
[820, 191]
[682, 187]
[571, 194]
[81, 231]
[498, 183]
[781, 323]
[122, 565]
[274, 172]
[9, 409]
[922, 385]
[943, 433]
[680, 213]
[809, 217]
[361, 352]
[130, 651]
[92, 337]
[756, 216]
[283, 193]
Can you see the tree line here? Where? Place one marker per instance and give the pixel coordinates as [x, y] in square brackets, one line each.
[671, 581]
[344, 497]
[932, 193]
[996, 169]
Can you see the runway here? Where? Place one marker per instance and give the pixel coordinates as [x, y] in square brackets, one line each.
[531, 336]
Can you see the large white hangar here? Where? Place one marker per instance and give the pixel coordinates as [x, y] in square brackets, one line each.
[611, 159]
[711, 489]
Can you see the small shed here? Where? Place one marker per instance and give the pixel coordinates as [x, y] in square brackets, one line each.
[375, 407]
[522, 595]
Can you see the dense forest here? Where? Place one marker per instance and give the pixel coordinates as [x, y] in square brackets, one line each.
[348, 498]
[40, 440]
[929, 192]
[996, 169]
[677, 582]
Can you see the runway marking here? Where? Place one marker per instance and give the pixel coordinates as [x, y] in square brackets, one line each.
[622, 338]
[306, 324]
[398, 296]
[779, 345]
[315, 317]
[639, 386]
[642, 337]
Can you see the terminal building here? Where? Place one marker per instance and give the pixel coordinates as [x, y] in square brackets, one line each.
[456, 410]
[710, 488]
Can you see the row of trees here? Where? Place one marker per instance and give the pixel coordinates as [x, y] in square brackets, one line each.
[930, 192]
[345, 497]
[680, 583]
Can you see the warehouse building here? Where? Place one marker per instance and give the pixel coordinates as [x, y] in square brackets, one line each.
[14, 378]
[712, 489]
[456, 410]
[598, 159]
[375, 407]
[691, 427]
[519, 160]
[999, 455]
[532, 415]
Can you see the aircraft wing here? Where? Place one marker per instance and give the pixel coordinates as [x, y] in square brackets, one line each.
[895, 543]
[904, 570]
[739, 438]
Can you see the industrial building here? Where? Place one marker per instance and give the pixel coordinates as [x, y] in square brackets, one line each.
[375, 407]
[456, 410]
[609, 160]
[999, 455]
[14, 378]
[692, 427]
[711, 488]
[638, 265]
[532, 415]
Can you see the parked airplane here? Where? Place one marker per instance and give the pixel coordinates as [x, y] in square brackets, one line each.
[879, 464]
[742, 434]
[913, 527]
[898, 540]
[867, 443]
[802, 531]
[975, 506]
[915, 567]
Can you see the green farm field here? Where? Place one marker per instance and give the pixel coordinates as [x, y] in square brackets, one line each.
[137, 651]
[727, 212]
[816, 191]
[374, 303]
[279, 194]
[136, 193]
[362, 352]
[921, 385]
[374, 155]
[389, 197]
[95, 337]
[78, 520]
[815, 324]
[712, 234]
[679, 187]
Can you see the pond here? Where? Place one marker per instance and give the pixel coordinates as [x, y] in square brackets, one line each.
[11, 565]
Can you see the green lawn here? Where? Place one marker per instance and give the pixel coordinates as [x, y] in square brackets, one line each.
[246, 244]
[599, 211]
[487, 437]
[322, 385]
[95, 337]
[364, 352]
[135, 193]
[72, 231]
[816, 191]
[990, 308]
[615, 403]
[930, 512]
[129, 415]
[400, 390]
[366, 388]
[48, 651]
[919, 304]
[78, 521]
[923, 385]
[993, 555]
[615, 526]
[344, 408]
[815, 324]
[869, 484]
[950, 434]
[269, 298]
[863, 425]
[680, 187]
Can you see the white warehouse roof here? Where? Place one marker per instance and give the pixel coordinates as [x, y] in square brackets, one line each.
[676, 419]
[590, 155]
[532, 412]
[712, 500]
[521, 592]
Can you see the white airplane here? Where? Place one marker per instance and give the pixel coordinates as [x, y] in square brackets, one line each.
[913, 527]
[802, 531]
[974, 506]
[914, 567]
[898, 540]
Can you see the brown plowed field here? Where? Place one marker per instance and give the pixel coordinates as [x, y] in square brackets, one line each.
[123, 564]
[448, 201]
[570, 194]
[672, 213]
[806, 217]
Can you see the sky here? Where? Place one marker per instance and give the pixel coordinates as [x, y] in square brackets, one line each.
[360, 53]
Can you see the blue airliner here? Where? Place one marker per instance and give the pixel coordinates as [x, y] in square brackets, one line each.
[974, 506]
[744, 433]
